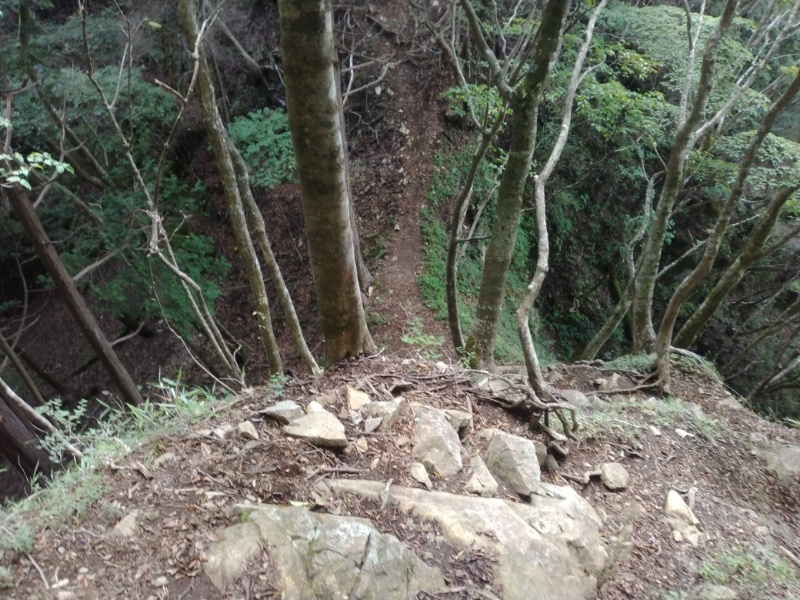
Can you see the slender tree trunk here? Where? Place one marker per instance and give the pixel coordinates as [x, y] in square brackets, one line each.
[524, 105]
[220, 144]
[313, 108]
[523, 313]
[23, 372]
[260, 230]
[460, 207]
[751, 253]
[642, 309]
[688, 285]
[69, 293]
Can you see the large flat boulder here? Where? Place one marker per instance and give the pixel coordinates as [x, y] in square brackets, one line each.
[316, 555]
[551, 545]
[318, 428]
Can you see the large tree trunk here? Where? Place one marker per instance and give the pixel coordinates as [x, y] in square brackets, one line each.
[220, 144]
[69, 293]
[642, 309]
[313, 108]
[524, 105]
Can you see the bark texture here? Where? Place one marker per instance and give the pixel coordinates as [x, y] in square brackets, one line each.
[643, 330]
[313, 108]
[524, 105]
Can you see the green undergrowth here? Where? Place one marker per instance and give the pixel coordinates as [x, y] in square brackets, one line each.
[628, 416]
[754, 571]
[645, 363]
[451, 166]
[65, 499]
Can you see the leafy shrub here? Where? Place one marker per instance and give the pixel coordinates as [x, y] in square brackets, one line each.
[265, 143]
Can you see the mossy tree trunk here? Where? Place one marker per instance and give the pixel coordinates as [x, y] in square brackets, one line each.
[313, 108]
[524, 104]
[643, 331]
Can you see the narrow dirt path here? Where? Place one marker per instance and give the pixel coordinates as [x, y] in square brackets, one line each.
[416, 114]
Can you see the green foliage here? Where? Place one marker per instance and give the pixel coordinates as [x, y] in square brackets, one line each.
[484, 101]
[428, 345]
[754, 570]
[21, 166]
[265, 143]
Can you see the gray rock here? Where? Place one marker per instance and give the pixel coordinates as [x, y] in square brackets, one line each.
[712, 592]
[758, 439]
[126, 528]
[372, 423]
[228, 557]
[513, 459]
[551, 545]
[420, 474]
[482, 482]
[436, 443]
[247, 429]
[459, 419]
[541, 452]
[614, 476]
[316, 555]
[388, 411]
[730, 402]
[283, 412]
[576, 398]
[355, 399]
[319, 428]
[784, 463]
[222, 431]
[675, 506]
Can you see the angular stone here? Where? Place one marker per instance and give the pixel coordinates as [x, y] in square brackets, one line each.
[541, 452]
[222, 431]
[675, 506]
[388, 411]
[436, 443]
[551, 545]
[126, 528]
[513, 459]
[247, 429]
[283, 412]
[371, 424]
[355, 399]
[420, 474]
[614, 476]
[228, 557]
[459, 419]
[320, 429]
[317, 555]
[314, 407]
[730, 402]
[482, 482]
[784, 463]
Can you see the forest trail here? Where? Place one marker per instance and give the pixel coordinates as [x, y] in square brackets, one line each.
[416, 117]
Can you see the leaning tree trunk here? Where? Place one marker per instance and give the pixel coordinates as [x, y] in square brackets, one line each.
[313, 109]
[524, 106]
[220, 145]
[46, 252]
[752, 252]
[643, 330]
[699, 273]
